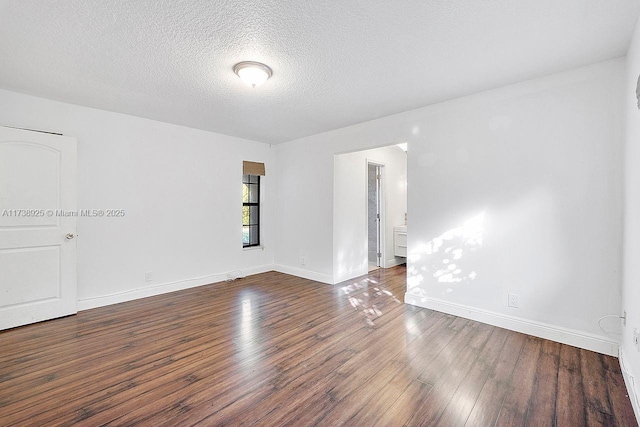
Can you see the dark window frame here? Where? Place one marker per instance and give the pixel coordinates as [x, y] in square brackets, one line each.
[254, 223]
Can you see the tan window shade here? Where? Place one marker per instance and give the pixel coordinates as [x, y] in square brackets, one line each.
[252, 168]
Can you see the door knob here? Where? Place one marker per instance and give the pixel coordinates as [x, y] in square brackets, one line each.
[69, 236]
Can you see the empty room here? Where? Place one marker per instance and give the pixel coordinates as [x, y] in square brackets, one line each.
[363, 213]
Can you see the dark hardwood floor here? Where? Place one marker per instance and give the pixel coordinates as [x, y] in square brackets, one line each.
[273, 349]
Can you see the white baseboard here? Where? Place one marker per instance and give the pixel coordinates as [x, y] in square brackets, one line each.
[559, 334]
[351, 275]
[629, 381]
[305, 274]
[149, 291]
[393, 262]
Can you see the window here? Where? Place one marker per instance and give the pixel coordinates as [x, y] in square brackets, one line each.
[250, 210]
[251, 173]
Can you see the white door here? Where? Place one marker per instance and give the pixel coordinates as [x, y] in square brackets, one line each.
[37, 227]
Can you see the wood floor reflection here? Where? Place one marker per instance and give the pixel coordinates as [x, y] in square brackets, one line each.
[273, 349]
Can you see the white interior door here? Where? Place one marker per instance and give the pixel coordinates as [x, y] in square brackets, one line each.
[37, 227]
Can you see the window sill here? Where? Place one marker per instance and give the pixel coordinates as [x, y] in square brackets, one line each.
[253, 248]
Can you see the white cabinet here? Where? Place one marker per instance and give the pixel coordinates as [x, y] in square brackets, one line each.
[400, 240]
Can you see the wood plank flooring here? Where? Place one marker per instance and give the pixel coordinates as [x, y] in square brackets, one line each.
[274, 350]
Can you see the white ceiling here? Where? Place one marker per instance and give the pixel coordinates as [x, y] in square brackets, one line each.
[335, 63]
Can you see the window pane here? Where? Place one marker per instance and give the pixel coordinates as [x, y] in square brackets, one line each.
[245, 235]
[254, 237]
[254, 193]
[253, 215]
[245, 193]
[254, 179]
[246, 219]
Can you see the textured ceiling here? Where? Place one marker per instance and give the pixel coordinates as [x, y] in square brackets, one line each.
[335, 63]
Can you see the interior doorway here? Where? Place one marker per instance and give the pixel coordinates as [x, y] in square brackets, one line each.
[355, 248]
[374, 215]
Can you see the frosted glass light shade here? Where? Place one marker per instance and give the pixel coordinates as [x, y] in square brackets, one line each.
[252, 73]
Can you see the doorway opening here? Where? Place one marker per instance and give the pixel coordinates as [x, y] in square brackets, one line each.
[361, 239]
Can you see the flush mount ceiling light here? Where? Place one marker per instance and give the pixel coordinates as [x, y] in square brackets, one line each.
[252, 73]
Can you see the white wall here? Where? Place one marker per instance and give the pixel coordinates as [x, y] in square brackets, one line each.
[181, 190]
[519, 191]
[305, 211]
[535, 166]
[629, 353]
[350, 238]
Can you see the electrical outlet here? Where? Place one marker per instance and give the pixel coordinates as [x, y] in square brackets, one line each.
[513, 300]
[148, 276]
[303, 261]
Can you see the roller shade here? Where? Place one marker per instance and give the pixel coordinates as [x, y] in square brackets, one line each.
[252, 168]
